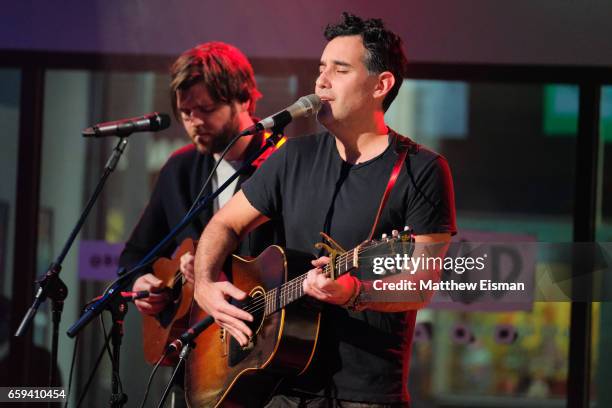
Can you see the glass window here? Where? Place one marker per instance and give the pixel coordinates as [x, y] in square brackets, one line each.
[511, 177]
[602, 312]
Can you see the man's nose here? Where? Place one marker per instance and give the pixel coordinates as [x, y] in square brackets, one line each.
[322, 81]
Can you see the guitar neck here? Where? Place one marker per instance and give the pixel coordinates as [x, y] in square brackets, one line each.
[398, 243]
[293, 290]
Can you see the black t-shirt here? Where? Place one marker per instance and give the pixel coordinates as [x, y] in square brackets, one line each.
[361, 356]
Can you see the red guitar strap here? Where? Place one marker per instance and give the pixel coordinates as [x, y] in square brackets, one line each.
[402, 146]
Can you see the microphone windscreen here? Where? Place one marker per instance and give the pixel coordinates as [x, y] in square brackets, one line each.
[312, 103]
[162, 121]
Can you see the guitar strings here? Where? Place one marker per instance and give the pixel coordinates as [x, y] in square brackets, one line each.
[344, 255]
[179, 274]
[295, 285]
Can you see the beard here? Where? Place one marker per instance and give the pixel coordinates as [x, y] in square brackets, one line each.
[222, 139]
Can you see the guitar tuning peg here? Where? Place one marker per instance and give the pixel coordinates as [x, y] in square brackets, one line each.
[395, 233]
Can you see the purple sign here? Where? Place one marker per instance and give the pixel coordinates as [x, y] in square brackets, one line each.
[99, 260]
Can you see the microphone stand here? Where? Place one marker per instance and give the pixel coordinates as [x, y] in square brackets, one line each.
[182, 357]
[51, 286]
[186, 341]
[110, 296]
[118, 310]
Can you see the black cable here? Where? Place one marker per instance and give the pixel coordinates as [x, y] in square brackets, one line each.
[74, 353]
[193, 205]
[93, 372]
[110, 354]
[148, 388]
[195, 202]
[212, 172]
[171, 382]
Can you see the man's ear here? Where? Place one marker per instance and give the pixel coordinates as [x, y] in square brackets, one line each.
[244, 106]
[386, 80]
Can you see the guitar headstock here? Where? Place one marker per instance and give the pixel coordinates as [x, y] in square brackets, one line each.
[389, 245]
[407, 235]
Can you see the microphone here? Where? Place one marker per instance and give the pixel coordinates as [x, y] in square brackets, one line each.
[125, 127]
[191, 333]
[304, 107]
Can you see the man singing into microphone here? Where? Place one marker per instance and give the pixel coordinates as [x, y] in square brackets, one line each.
[333, 182]
[213, 94]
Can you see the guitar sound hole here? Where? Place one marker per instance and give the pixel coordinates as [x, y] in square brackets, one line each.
[254, 304]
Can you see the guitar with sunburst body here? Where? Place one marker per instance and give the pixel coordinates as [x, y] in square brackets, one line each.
[221, 373]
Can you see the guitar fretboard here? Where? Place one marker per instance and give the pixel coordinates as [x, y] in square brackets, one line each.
[293, 290]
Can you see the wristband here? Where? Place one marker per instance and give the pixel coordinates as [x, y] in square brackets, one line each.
[354, 304]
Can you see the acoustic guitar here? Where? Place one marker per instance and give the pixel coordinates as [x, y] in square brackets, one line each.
[221, 373]
[163, 328]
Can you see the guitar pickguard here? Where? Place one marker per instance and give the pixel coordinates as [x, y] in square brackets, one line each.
[166, 316]
[255, 304]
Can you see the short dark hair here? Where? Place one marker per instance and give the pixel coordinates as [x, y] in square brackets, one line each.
[223, 69]
[384, 49]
